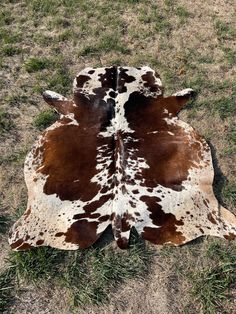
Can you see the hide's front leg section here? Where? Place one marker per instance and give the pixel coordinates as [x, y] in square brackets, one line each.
[182, 97]
[60, 103]
[173, 104]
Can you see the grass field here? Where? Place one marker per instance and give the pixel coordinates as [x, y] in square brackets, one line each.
[43, 45]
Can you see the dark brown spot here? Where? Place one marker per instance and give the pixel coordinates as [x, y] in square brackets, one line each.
[211, 218]
[82, 79]
[81, 232]
[17, 243]
[149, 79]
[59, 234]
[230, 236]
[122, 243]
[167, 223]
[25, 246]
[96, 204]
[104, 218]
[40, 242]
[132, 204]
[112, 94]
[27, 213]
[86, 215]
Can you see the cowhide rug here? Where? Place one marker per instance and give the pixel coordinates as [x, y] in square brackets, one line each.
[119, 155]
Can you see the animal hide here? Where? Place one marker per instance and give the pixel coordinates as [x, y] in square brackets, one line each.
[119, 155]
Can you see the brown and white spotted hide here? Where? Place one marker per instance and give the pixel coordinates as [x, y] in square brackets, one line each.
[119, 155]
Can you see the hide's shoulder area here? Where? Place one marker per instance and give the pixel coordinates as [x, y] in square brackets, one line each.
[119, 155]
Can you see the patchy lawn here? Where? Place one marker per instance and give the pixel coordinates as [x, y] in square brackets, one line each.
[43, 45]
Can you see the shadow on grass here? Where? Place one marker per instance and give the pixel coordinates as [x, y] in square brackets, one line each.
[4, 223]
[220, 179]
[89, 275]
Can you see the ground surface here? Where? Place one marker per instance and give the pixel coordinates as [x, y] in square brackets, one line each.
[190, 44]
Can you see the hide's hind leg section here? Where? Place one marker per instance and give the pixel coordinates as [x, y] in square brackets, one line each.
[62, 230]
[205, 217]
[227, 223]
[179, 217]
[219, 223]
